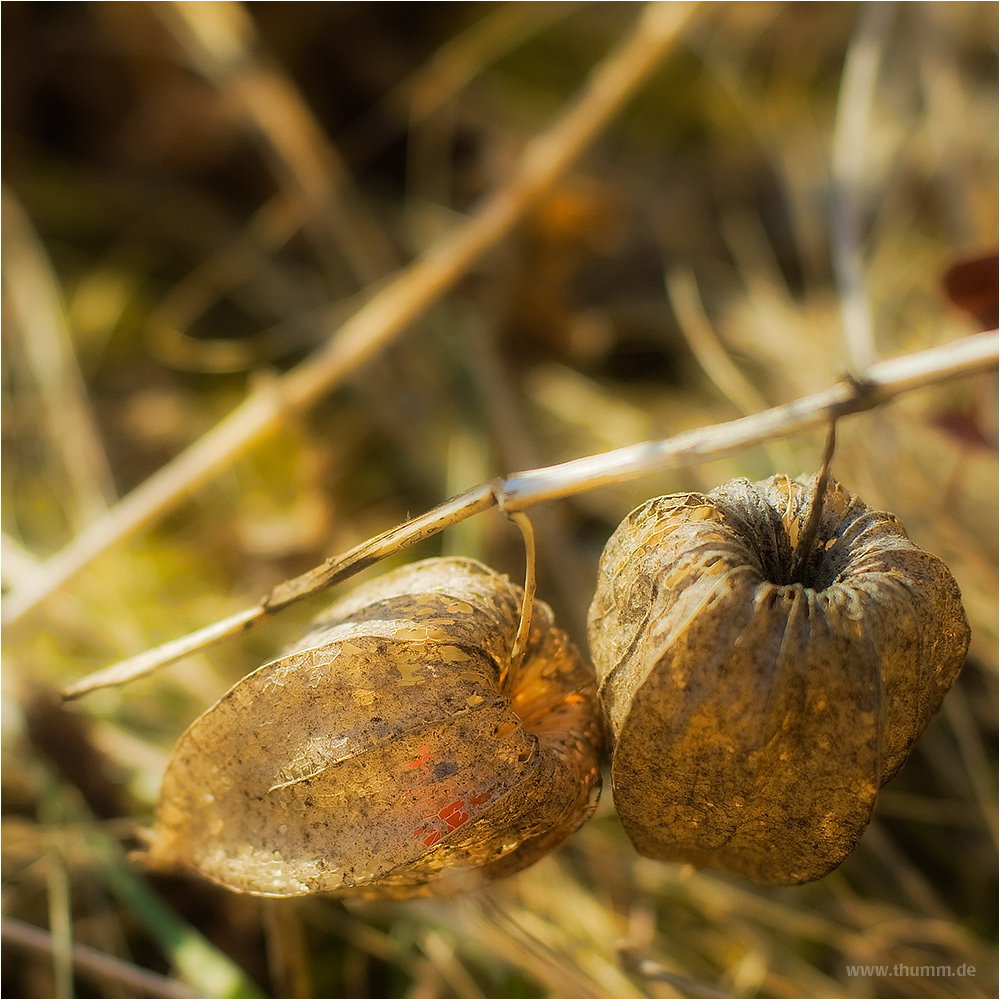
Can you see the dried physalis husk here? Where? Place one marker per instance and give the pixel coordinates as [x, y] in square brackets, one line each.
[754, 718]
[394, 751]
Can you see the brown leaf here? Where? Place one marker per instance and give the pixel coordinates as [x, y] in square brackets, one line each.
[973, 285]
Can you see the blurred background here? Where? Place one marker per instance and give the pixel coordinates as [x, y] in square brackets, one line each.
[196, 196]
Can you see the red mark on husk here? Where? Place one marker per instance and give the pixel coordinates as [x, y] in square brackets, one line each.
[454, 814]
[420, 761]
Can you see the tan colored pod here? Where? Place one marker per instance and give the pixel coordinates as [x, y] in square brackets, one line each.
[754, 719]
[384, 755]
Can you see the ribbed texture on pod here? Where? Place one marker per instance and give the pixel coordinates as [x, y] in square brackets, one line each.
[755, 718]
[382, 756]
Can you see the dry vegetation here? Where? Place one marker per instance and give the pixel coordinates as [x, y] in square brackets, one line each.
[198, 196]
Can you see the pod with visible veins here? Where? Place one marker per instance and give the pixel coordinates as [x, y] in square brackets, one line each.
[754, 717]
[393, 751]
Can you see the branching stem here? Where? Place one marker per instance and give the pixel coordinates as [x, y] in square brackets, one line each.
[879, 384]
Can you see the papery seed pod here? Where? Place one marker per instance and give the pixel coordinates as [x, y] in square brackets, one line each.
[387, 753]
[754, 717]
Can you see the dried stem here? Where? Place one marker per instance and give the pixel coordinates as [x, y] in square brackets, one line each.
[881, 383]
[877, 385]
[96, 963]
[808, 536]
[334, 570]
[397, 305]
[527, 602]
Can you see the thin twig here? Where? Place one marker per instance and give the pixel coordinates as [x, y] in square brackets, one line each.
[452, 511]
[170, 652]
[877, 385]
[398, 304]
[881, 383]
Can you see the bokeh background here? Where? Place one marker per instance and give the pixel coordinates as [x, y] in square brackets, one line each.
[174, 238]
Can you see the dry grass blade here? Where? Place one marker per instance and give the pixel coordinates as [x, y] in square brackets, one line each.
[220, 40]
[682, 290]
[382, 318]
[270, 228]
[973, 753]
[40, 317]
[23, 935]
[857, 90]
[685, 300]
[460, 60]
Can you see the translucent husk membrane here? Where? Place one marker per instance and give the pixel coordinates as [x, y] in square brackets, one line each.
[383, 756]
